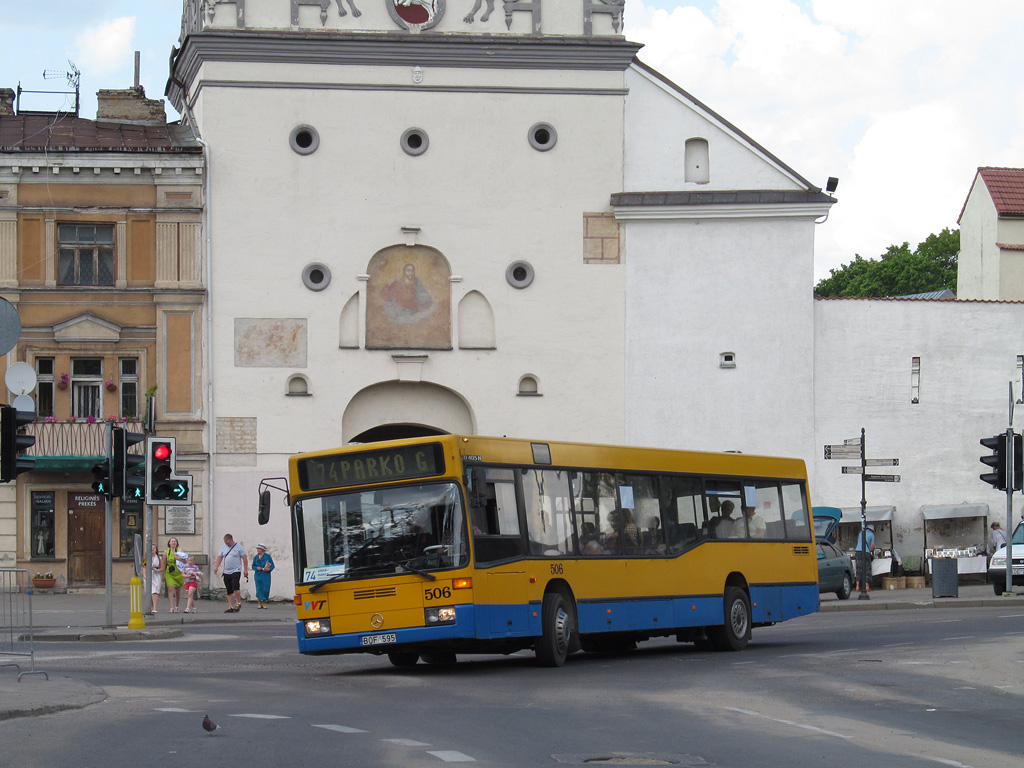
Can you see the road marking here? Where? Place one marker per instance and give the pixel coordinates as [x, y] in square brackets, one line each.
[261, 717]
[174, 709]
[339, 728]
[962, 637]
[896, 645]
[406, 742]
[805, 726]
[451, 756]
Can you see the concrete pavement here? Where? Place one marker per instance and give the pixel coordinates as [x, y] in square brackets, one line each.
[81, 616]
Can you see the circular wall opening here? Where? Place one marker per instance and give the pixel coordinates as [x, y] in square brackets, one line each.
[304, 139]
[316, 276]
[519, 274]
[415, 141]
[542, 136]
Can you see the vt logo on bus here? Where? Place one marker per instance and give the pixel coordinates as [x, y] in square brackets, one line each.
[314, 605]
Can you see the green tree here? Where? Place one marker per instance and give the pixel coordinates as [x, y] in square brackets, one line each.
[899, 271]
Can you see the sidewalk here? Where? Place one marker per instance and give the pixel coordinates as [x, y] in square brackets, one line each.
[81, 617]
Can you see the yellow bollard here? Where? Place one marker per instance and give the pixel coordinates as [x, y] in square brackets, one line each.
[135, 591]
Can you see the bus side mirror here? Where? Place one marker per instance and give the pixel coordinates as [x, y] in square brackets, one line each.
[264, 515]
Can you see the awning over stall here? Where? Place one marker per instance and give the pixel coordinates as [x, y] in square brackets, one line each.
[951, 511]
[872, 514]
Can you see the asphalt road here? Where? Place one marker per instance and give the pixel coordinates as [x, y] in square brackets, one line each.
[907, 688]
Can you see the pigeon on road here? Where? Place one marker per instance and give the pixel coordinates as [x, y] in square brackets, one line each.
[209, 726]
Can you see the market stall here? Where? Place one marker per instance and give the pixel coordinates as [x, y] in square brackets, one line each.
[956, 531]
[880, 520]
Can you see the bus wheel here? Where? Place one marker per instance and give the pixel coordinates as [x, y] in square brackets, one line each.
[403, 658]
[553, 645]
[439, 657]
[735, 633]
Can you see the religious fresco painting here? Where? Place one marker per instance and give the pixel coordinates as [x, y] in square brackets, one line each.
[408, 299]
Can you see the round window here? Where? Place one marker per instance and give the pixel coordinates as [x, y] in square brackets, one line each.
[304, 140]
[316, 276]
[543, 136]
[415, 142]
[519, 274]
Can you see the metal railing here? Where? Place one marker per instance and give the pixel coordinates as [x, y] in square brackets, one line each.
[75, 438]
[16, 633]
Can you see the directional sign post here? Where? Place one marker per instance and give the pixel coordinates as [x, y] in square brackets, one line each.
[853, 448]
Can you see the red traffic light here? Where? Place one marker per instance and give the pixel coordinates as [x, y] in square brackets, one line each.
[162, 452]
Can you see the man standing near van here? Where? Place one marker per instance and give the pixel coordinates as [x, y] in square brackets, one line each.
[235, 564]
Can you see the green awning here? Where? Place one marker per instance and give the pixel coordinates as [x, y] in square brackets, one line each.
[66, 463]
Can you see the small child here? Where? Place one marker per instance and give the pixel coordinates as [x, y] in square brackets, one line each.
[192, 576]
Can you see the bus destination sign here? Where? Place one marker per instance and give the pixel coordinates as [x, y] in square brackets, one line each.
[342, 470]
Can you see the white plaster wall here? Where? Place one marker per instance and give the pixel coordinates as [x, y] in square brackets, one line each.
[862, 362]
[978, 263]
[697, 288]
[658, 123]
[481, 195]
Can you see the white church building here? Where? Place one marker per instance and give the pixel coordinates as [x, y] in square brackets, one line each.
[493, 218]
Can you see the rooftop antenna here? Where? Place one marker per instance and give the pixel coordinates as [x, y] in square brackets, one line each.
[137, 66]
[73, 77]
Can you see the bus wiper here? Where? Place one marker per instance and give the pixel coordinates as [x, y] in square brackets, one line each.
[425, 574]
[334, 578]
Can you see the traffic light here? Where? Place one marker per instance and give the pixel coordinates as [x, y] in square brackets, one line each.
[123, 464]
[13, 443]
[101, 478]
[1018, 462]
[997, 461]
[163, 484]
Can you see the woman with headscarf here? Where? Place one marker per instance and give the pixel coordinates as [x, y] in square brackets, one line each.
[262, 565]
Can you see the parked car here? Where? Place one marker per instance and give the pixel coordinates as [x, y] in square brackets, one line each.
[835, 568]
[997, 563]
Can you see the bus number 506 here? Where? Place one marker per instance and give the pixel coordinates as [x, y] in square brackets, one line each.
[437, 593]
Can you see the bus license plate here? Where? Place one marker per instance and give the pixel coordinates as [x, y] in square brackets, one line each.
[387, 637]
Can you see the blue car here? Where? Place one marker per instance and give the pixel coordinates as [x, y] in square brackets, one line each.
[835, 568]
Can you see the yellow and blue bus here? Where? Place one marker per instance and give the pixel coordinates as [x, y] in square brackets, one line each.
[429, 547]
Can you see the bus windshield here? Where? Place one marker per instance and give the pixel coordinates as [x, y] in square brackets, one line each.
[383, 531]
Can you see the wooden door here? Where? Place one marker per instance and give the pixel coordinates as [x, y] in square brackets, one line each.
[86, 563]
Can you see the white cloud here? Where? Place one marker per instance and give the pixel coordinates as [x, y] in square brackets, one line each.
[102, 50]
[901, 100]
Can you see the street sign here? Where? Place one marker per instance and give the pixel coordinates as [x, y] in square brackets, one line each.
[852, 441]
[842, 452]
[882, 462]
[882, 478]
[853, 470]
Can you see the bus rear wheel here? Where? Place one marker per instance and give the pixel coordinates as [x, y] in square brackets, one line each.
[403, 658]
[556, 627]
[439, 657]
[735, 633]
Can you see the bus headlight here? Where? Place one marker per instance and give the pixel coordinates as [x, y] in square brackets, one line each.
[432, 616]
[316, 627]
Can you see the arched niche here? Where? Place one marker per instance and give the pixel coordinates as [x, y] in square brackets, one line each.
[408, 299]
[698, 161]
[407, 403]
[348, 324]
[476, 322]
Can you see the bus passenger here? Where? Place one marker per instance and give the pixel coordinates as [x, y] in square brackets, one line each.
[755, 523]
[631, 532]
[728, 528]
[593, 547]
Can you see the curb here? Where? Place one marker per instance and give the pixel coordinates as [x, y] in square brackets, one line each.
[73, 694]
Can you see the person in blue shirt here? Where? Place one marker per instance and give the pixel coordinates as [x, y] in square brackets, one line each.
[865, 546]
[262, 565]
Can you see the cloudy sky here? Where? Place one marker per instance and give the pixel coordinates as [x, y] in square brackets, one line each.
[901, 99]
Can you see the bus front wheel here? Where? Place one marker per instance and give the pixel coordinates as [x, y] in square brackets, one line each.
[403, 658]
[553, 644]
[735, 633]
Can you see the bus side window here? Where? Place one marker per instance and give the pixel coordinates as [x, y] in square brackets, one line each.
[548, 512]
[682, 510]
[794, 506]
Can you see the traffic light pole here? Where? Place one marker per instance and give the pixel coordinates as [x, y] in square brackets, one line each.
[108, 526]
[1011, 476]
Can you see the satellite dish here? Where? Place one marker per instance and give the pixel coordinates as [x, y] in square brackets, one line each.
[10, 326]
[25, 404]
[20, 378]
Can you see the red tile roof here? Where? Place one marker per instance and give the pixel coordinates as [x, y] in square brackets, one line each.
[63, 133]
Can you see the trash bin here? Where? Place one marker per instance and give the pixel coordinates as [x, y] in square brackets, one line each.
[945, 578]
